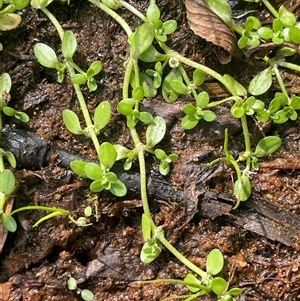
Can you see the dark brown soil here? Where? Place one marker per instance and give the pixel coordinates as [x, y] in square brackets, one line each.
[193, 204]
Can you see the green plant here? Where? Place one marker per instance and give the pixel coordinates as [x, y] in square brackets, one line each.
[208, 283]
[144, 41]
[8, 19]
[85, 294]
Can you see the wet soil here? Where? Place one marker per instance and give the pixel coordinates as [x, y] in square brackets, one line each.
[193, 204]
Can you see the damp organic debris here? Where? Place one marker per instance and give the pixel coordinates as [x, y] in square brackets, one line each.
[149, 150]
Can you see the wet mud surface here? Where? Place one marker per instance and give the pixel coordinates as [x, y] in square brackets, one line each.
[260, 240]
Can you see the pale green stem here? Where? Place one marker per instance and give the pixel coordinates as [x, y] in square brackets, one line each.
[136, 140]
[49, 209]
[247, 141]
[133, 10]
[186, 79]
[287, 65]
[271, 8]
[188, 62]
[182, 259]
[80, 97]
[280, 81]
[114, 15]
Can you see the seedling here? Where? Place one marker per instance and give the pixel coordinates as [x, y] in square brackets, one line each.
[85, 294]
[144, 42]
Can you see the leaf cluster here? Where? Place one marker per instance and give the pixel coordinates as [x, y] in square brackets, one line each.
[284, 29]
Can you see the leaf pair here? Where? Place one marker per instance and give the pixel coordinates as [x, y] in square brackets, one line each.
[101, 118]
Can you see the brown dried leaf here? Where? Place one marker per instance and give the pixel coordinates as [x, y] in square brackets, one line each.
[209, 26]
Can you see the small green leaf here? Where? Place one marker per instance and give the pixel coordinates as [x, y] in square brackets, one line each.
[235, 291]
[138, 93]
[169, 27]
[102, 115]
[5, 83]
[155, 131]
[45, 55]
[94, 69]
[78, 167]
[20, 4]
[7, 182]
[125, 106]
[235, 87]
[242, 188]
[198, 77]
[87, 295]
[8, 222]
[189, 122]
[261, 82]
[202, 99]
[152, 55]
[287, 18]
[10, 158]
[214, 262]
[8, 111]
[267, 146]
[192, 283]
[107, 154]
[69, 44]
[221, 8]
[153, 13]
[141, 39]
[79, 79]
[294, 34]
[71, 121]
[164, 168]
[72, 284]
[149, 252]
[88, 211]
[9, 21]
[160, 154]
[265, 33]
[93, 171]
[209, 115]
[179, 87]
[219, 285]
[189, 109]
[146, 117]
[97, 186]
[295, 103]
[168, 92]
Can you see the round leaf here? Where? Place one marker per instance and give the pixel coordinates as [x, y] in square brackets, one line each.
[87, 295]
[107, 154]
[267, 146]
[78, 167]
[118, 188]
[214, 262]
[102, 115]
[71, 121]
[45, 55]
[9, 222]
[5, 83]
[261, 82]
[9, 21]
[218, 285]
[7, 182]
[242, 188]
[155, 131]
[93, 171]
[69, 44]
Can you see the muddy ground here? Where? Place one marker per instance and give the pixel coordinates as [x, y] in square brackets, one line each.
[193, 204]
